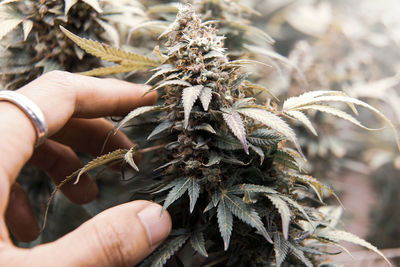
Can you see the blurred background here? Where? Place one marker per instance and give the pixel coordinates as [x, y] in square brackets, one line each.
[347, 45]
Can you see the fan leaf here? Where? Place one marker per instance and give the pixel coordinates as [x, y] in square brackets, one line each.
[225, 221]
[205, 97]
[300, 116]
[189, 96]
[176, 192]
[194, 192]
[198, 243]
[284, 211]
[134, 113]
[235, 124]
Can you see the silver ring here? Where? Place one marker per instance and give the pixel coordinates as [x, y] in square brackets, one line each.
[31, 110]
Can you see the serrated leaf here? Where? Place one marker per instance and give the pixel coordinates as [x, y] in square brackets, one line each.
[8, 25]
[189, 96]
[336, 112]
[286, 159]
[112, 54]
[306, 98]
[163, 126]
[300, 255]
[95, 4]
[159, 258]
[228, 142]
[235, 124]
[205, 97]
[102, 71]
[281, 249]
[338, 235]
[194, 192]
[273, 121]
[264, 137]
[296, 205]
[68, 4]
[27, 27]
[171, 82]
[116, 155]
[252, 188]
[176, 192]
[225, 222]
[215, 158]
[300, 116]
[198, 243]
[245, 214]
[163, 69]
[136, 112]
[284, 211]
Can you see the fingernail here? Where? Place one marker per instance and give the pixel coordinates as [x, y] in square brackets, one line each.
[157, 226]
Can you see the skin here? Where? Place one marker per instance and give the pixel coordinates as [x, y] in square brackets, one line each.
[73, 106]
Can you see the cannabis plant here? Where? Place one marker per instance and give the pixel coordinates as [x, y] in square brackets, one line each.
[221, 161]
[31, 42]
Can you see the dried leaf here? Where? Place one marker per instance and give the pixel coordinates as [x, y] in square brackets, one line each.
[27, 27]
[8, 25]
[102, 71]
[68, 4]
[95, 4]
[112, 54]
[102, 160]
[129, 158]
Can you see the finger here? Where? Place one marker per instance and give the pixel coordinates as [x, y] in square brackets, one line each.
[89, 135]
[59, 161]
[61, 95]
[19, 216]
[83, 96]
[121, 236]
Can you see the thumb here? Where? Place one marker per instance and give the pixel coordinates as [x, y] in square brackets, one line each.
[121, 236]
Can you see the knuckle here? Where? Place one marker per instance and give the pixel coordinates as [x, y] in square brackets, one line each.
[111, 245]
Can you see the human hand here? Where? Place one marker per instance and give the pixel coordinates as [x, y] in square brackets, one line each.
[72, 105]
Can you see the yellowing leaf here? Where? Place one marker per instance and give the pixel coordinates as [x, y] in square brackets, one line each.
[110, 70]
[102, 160]
[112, 54]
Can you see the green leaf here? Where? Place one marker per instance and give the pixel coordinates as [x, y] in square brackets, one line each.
[176, 192]
[284, 211]
[281, 249]
[198, 244]
[227, 142]
[215, 158]
[235, 124]
[259, 152]
[161, 256]
[136, 112]
[189, 96]
[205, 127]
[286, 159]
[225, 222]
[273, 121]
[264, 137]
[296, 205]
[246, 214]
[163, 126]
[194, 192]
[205, 97]
[338, 235]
